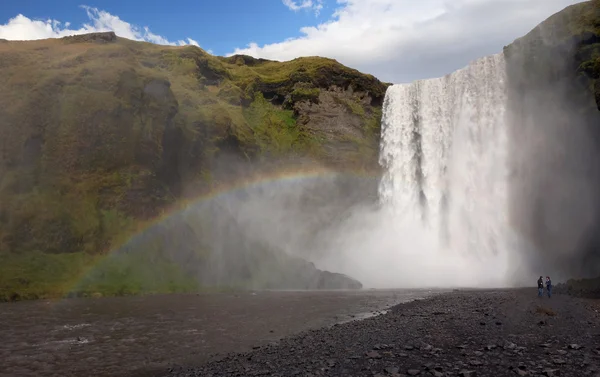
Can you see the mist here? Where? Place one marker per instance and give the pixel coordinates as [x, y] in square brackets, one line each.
[554, 155]
[489, 178]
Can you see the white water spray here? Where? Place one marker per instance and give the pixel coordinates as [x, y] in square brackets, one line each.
[443, 219]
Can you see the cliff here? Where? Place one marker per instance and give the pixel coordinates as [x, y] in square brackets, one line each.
[99, 134]
[553, 77]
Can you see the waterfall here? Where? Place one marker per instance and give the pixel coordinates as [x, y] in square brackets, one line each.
[444, 151]
[443, 214]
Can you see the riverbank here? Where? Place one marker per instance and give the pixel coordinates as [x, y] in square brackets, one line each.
[465, 333]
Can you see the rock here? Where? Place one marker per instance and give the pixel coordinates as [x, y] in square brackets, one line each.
[482, 323]
[438, 374]
[102, 37]
[521, 372]
[402, 354]
[467, 373]
[562, 352]
[510, 346]
[427, 347]
[545, 345]
[392, 370]
[575, 347]
[373, 355]
[475, 363]
[498, 323]
[413, 372]
[409, 348]
[558, 361]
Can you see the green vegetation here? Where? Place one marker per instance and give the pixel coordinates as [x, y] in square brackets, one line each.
[98, 138]
[40, 275]
[275, 129]
[43, 275]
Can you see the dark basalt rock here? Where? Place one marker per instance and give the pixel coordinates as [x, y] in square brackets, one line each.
[104, 37]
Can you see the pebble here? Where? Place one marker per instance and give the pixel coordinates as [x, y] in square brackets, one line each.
[464, 350]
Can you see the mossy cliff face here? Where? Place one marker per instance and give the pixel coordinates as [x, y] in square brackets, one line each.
[554, 127]
[99, 133]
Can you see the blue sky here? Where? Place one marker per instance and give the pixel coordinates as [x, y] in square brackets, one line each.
[395, 40]
[220, 25]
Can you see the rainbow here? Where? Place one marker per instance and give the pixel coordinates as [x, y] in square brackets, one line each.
[218, 191]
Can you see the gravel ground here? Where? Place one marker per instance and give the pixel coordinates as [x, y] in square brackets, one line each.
[463, 333]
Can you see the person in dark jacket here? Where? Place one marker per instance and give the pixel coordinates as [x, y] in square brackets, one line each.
[549, 286]
[540, 286]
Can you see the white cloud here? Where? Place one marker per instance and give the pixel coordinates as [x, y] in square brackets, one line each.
[24, 28]
[404, 40]
[296, 5]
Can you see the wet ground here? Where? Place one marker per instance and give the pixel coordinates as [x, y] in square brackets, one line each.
[468, 333]
[141, 336]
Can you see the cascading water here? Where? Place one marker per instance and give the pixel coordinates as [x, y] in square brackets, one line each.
[443, 214]
[444, 150]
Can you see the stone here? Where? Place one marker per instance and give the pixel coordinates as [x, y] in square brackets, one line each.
[413, 372]
[373, 355]
[510, 346]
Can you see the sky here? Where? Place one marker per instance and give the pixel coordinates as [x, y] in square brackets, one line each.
[395, 40]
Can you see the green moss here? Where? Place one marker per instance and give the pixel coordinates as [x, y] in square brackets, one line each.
[275, 130]
[305, 93]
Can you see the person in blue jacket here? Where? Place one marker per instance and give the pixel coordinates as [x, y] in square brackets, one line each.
[549, 286]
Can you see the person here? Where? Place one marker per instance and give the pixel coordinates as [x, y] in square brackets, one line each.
[540, 286]
[549, 286]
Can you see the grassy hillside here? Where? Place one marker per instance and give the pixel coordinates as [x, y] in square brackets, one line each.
[100, 134]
